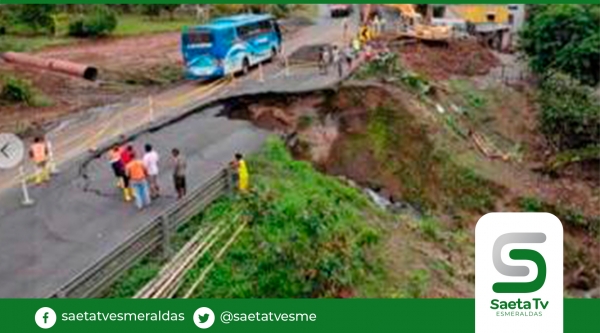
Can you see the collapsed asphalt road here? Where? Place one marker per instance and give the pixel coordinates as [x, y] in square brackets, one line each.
[75, 220]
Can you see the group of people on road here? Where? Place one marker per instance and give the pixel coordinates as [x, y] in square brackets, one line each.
[336, 57]
[138, 176]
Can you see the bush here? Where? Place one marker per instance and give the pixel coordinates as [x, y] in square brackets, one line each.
[37, 17]
[308, 235]
[564, 38]
[226, 9]
[100, 21]
[570, 113]
[17, 91]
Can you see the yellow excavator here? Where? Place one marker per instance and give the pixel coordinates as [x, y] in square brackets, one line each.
[414, 25]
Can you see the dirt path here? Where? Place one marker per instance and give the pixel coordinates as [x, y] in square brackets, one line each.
[121, 52]
[127, 67]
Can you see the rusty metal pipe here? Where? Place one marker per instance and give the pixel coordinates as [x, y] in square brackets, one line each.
[66, 67]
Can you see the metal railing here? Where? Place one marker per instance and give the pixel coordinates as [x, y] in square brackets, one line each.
[98, 277]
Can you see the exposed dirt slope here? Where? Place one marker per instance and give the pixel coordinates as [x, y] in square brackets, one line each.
[388, 139]
[458, 58]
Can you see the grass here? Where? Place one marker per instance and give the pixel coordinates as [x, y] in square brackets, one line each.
[14, 91]
[569, 216]
[133, 25]
[144, 271]
[430, 228]
[435, 181]
[309, 236]
[31, 43]
[418, 283]
[22, 40]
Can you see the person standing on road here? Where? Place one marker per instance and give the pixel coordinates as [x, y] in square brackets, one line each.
[337, 60]
[179, 180]
[356, 45]
[119, 170]
[137, 173]
[38, 153]
[324, 60]
[151, 159]
[241, 172]
[127, 155]
[345, 29]
[376, 25]
[349, 55]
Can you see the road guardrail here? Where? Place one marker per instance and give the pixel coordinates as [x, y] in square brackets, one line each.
[93, 281]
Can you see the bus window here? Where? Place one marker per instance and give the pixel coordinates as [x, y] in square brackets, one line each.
[198, 39]
[253, 29]
[227, 36]
[264, 26]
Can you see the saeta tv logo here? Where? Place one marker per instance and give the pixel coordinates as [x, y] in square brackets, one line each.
[519, 254]
[519, 273]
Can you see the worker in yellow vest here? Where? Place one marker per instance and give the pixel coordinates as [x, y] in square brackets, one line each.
[365, 34]
[38, 152]
[241, 170]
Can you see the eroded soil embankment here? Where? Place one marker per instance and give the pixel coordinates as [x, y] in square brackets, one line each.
[384, 139]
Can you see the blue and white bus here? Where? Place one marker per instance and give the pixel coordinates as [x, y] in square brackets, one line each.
[229, 45]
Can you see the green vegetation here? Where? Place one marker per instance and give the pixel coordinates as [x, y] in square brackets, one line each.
[564, 38]
[435, 181]
[29, 44]
[27, 28]
[308, 235]
[128, 25]
[570, 116]
[387, 67]
[418, 283]
[277, 10]
[131, 25]
[564, 158]
[137, 277]
[568, 216]
[14, 90]
[38, 18]
[563, 44]
[99, 21]
[430, 228]
[154, 10]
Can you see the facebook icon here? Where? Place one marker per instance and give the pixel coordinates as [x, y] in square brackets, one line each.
[45, 317]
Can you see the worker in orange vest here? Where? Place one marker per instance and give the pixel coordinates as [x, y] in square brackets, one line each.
[138, 180]
[38, 152]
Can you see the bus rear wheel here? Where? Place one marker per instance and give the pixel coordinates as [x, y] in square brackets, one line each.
[245, 66]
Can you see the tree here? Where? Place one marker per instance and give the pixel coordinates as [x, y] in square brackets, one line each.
[99, 21]
[564, 38]
[155, 10]
[36, 16]
[570, 113]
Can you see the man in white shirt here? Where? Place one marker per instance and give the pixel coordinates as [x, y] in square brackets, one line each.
[151, 159]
